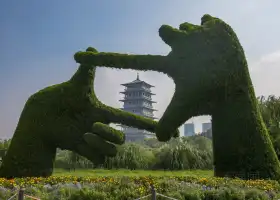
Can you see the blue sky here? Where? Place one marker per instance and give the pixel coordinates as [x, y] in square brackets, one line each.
[38, 40]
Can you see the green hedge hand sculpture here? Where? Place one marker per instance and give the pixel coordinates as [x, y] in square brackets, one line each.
[67, 116]
[209, 68]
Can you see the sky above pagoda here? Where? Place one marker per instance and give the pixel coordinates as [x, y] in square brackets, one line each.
[38, 40]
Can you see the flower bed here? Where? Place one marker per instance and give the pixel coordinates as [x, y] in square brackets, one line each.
[146, 180]
[133, 187]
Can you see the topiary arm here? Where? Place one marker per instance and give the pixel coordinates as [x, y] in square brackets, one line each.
[129, 119]
[124, 61]
[126, 118]
[168, 123]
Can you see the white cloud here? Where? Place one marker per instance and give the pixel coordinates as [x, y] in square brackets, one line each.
[271, 58]
[265, 74]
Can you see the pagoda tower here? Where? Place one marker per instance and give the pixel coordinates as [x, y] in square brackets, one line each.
[138, 100]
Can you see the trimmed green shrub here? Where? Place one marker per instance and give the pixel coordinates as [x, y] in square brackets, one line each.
[209, 69]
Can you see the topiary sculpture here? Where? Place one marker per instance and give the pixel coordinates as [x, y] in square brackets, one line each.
[67, 116]
[209, 68]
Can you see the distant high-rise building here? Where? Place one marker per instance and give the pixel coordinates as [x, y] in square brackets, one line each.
[206, 126]
[138, 100]
[189, 129]
[207, 134]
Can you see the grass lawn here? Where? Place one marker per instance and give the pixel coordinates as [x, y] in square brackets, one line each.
[124, 172]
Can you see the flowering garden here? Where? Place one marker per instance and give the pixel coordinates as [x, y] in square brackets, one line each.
[133, 187]
[190, 178]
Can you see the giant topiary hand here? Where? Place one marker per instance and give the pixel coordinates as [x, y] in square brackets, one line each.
[68, 116]
[209, 68]
[196, 64]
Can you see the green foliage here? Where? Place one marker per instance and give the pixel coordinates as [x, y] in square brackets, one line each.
[4, 144]
[131, 156]
[177, 154]
[270, 110]
[180, 155]
[67, 116]
[199, 142]
[209, 69]
[70, 160]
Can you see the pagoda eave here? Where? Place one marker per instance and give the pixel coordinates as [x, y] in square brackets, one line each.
[149, 108]
[123, 100]
[126, 92]
[133, 83]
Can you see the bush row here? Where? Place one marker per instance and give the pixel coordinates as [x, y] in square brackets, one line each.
[178, 154]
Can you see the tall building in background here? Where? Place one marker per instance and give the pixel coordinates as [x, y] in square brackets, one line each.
[206, 126]
[207, 134]
[189, 129]
[138, 100]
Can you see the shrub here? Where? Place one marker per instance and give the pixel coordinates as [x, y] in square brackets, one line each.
[131, 156]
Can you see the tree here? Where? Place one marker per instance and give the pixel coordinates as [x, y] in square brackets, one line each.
[270, 111]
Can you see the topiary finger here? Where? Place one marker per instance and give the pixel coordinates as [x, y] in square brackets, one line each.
[108, 133]
[97, 142]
